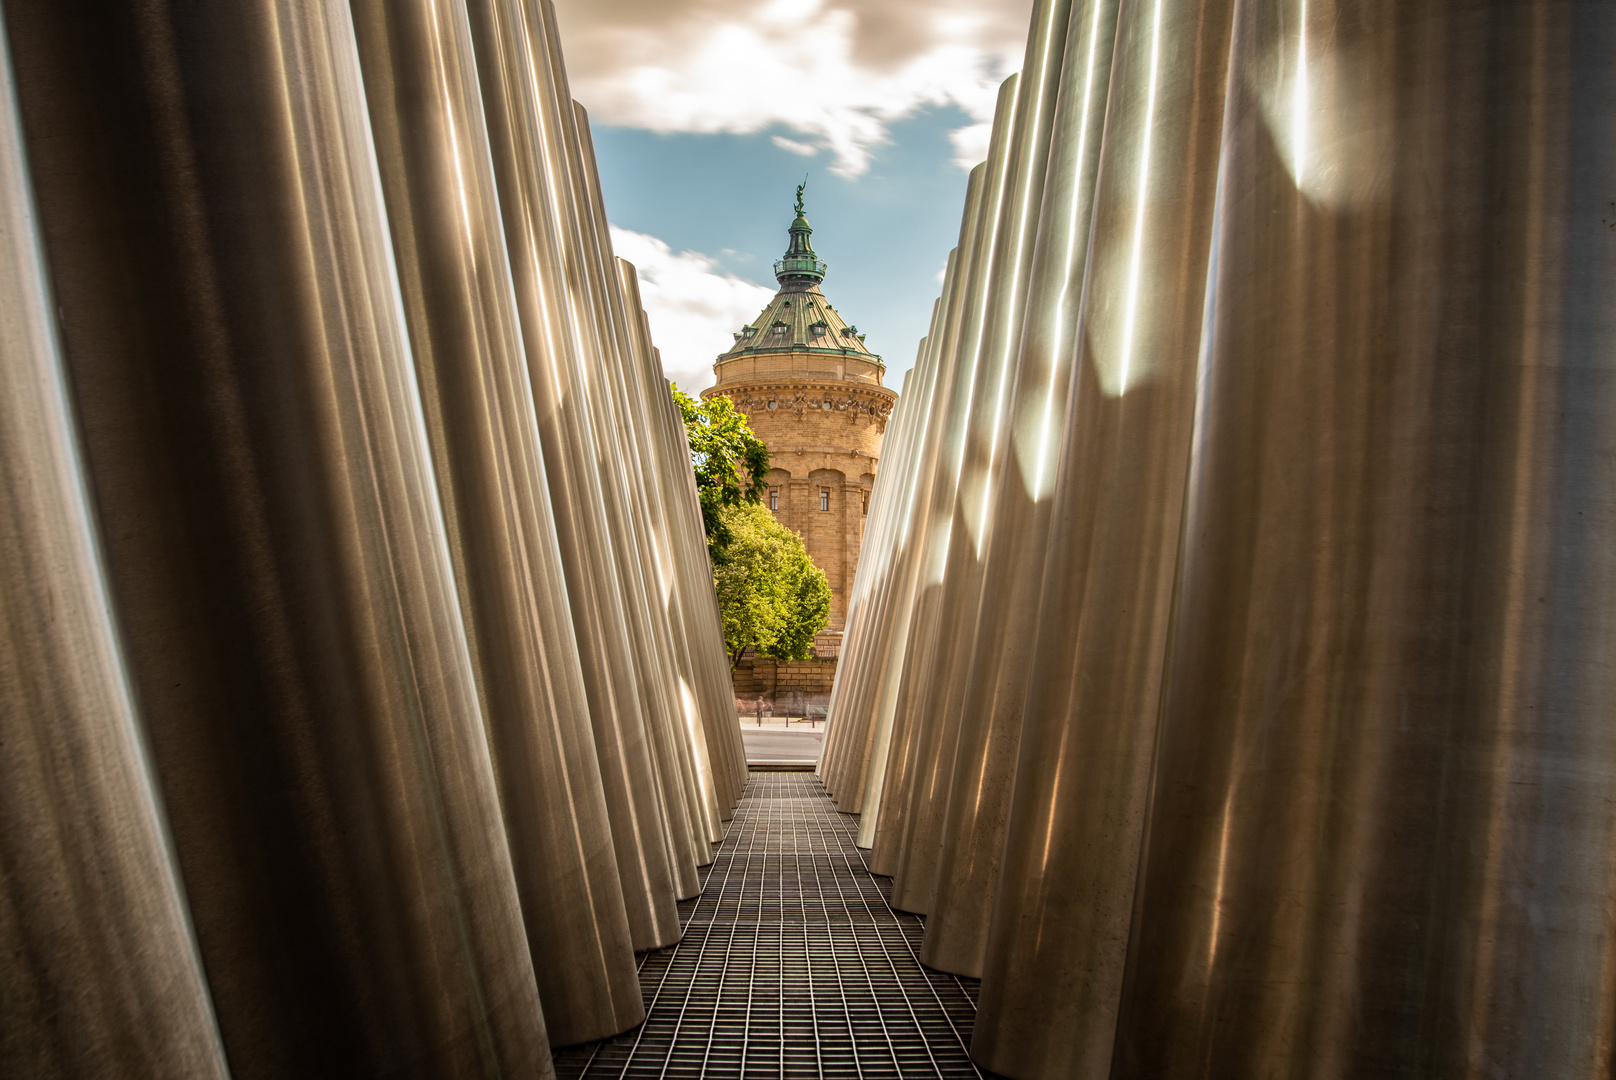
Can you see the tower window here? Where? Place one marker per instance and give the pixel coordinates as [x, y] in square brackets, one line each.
[774, 498]
[824, 500]
[866, 508]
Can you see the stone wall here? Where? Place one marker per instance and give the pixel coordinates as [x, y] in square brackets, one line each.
[793, 688]
[824, 462]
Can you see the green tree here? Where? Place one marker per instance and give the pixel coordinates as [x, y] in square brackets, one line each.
[770, 594]
[731, 463]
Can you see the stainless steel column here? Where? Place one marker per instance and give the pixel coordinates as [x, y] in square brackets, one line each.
[526, 102]
[231, 322]
[618, 459]
[1066, 881]
[850, 731]
[845, 717]
[940, 697]
[717, 697]
[701, 600]
[662, 577]
[712, 733]
[432, 145]
[882, 824]
[848, 717]
[880, 669]
[998, 661]
[101, 976]
[1381, 841]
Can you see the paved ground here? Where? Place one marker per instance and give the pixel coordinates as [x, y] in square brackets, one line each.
[792, 964]
[776, 743]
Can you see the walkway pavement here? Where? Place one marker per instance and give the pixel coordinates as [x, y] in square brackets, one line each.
[791, 964]
[775, 744]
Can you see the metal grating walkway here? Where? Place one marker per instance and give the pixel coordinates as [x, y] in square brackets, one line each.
[791, 964]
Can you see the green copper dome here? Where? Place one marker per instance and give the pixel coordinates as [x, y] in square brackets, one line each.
[799, 319]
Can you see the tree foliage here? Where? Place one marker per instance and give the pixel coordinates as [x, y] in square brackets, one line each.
[770, 594]
[731, 463]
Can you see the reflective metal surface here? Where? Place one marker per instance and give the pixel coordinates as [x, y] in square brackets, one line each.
[698, 600]
[941, 696]
[858, 723]
[848, 725]
[1081, 790]
[887, 798]
[430, 137]
[632, 339]
[231, 324]
[93, 924]
[649, 398]
[617, 452]
[997, 660]
[528, 108]
[1381, 840]
[892, 602]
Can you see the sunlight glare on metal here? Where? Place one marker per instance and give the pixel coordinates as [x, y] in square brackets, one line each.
[1139, 218]
[1299, 102]
[1043, 482]
[978, 524]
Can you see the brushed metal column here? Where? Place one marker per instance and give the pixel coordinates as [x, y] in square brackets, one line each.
[871, 697]
[848, 713]
[852, 732]
[662, 576]
[1066, 880]
[460, 305]
[706, 633]
[844, 711]
[716, 693]
[526, 102]
[101, 975]
[882, 673]
[846, 717]
[1381, 841]
[231, 323]
[882, 824]
[940, 697]
[618, 454]
[712, 694]
[998, 660]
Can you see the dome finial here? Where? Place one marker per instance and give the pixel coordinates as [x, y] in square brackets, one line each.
[800, 267]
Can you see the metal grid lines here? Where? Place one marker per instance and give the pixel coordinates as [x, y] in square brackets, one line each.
[792, 964]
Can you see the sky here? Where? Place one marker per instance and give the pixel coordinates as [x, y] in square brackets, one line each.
[706, 114]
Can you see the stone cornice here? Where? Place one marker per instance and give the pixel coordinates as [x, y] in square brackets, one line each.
[819, 451]
[803, 396]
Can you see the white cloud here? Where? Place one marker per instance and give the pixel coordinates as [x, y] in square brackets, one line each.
[971, 143]
[693, 305]
[795, 147]
[836, 72]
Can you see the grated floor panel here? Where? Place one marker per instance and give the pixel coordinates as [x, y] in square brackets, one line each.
[792, 964]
